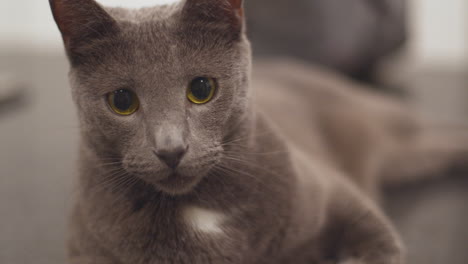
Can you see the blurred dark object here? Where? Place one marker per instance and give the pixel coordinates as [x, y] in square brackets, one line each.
[12, 94]
[349, 36]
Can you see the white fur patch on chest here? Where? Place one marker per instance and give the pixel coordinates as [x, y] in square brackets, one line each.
[204, 220]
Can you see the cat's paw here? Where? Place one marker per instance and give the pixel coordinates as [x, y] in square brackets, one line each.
[91, 260]
[347, 261]
[360, 261]
[352, 261]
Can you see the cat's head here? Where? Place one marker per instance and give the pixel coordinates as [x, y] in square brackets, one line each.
[157, 89]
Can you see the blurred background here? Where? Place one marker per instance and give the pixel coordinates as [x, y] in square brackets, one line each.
[413, 49]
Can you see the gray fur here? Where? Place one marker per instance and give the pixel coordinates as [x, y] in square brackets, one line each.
[281, 187]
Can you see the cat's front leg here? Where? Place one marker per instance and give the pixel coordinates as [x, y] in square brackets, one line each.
[83, 248]
[357, 232]
[85, 251]
[91, 260]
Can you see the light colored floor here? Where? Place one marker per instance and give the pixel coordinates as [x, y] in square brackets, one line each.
[38, 143]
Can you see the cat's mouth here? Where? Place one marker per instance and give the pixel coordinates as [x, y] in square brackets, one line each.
[173, 181]
[177, 184]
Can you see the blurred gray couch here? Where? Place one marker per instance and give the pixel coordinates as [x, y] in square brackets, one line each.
[351, 36]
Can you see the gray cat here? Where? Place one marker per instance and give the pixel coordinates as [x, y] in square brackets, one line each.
[183, 162]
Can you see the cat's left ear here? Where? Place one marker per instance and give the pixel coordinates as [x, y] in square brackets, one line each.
[225, 15]
[82, 23]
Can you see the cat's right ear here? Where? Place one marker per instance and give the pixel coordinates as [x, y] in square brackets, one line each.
[224, 16]
[82, 23]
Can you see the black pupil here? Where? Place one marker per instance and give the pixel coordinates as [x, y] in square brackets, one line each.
[123, 99]
[201, 88]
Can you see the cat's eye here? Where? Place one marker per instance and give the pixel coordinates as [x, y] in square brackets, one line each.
[123, 102]
[201, 90]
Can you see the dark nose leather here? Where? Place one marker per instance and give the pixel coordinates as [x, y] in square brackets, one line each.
[171, 157]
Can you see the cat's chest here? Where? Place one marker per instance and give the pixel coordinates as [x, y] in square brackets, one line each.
[197, 235]
[207, 222]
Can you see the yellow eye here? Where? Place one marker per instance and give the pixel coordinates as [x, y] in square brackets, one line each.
[201, 90]
[123, 102]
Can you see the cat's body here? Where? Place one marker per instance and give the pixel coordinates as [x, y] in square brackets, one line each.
[282, 173]
[268, 203]
[333, 120]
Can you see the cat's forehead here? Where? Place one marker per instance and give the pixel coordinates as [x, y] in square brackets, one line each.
[146, 14]
[94, 35]
[151, 26]
[161, 33]
[163, 41]
[164, 28]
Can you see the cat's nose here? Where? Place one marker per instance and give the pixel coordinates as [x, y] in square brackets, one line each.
[171, 157]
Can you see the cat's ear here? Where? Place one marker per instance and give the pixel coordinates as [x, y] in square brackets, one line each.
[226, 15]
[82, 22]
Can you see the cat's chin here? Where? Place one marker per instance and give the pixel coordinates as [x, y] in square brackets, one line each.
[177, 184]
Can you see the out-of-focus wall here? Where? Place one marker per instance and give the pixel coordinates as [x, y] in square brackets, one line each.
[439, 29]
[28, 24]
[439, 32]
